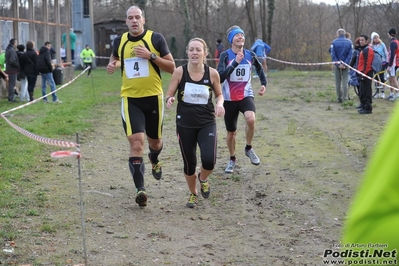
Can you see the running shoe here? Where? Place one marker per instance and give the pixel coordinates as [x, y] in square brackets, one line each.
[391, 97]
[192, 201]
[156, 169]
[382, 95]
[205, 188]
[230, 167]
[252, 156]
[141, 198]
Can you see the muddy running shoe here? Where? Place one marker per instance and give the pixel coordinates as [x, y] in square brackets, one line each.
[230, 167]
[141, 198]
[252, 156]
[205, 188]
[156, 169]
[192, 201]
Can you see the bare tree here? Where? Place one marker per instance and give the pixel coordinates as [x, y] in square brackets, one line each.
[271, 7]
[250, 9]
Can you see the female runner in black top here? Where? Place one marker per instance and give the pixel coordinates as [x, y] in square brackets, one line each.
[195, 83]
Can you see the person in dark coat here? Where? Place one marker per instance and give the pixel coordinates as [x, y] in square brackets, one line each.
[45, 68]
[23, 93]
[31, 68]
[12, 68]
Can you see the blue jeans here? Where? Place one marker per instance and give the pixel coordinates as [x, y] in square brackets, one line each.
[48, 77]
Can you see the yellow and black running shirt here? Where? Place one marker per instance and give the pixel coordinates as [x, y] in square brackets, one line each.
[140, 77]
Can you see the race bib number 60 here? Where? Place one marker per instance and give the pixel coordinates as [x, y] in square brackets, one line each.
[241, 73]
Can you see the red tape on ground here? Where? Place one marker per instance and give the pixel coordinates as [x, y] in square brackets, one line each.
[59, 143]
[62, 154]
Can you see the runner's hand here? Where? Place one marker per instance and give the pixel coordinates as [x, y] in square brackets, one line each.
[219, 110]
[111, 67]
[262, 90]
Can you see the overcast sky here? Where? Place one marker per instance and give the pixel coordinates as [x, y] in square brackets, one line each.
[333, 2]
[329, 2]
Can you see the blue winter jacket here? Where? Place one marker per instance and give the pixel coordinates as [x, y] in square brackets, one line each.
[341, 50]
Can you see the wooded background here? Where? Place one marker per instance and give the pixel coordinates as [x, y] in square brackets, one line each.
[297, 30]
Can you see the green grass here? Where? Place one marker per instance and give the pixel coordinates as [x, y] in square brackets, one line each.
[23, 160]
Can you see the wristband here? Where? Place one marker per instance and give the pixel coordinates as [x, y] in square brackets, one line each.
[167, 99]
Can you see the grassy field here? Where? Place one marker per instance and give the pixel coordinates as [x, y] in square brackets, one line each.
[22, 160]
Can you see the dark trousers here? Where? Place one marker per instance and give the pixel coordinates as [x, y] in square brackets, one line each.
[31, 85]
[365, 92]
[12, 81]
[88, 65]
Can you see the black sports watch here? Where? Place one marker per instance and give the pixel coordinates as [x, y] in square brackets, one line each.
[153, 56]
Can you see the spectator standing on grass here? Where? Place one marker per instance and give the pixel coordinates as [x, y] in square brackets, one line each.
[365, 66]
[219, 50]
[31, 68]
[234, 68]
[261, 49]
[195, 82]
[141, 54]
[23, 94]
[341, 50]
[87, 56]
[45, 67]
[393, 64]
[71, 45]
[353, 75]
[12, 68]
[379, 46]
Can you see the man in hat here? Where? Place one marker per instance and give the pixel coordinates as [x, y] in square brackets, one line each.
[235, 75]
[393, 63]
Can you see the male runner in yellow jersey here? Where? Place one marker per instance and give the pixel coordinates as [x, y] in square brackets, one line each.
[141, 54]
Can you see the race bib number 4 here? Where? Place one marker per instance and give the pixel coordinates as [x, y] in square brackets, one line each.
[136, 68]
[195, 93]
[241, 73]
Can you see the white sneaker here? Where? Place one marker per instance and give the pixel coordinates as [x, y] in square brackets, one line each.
[57, 101]
[376, 96]
[382, 95]
[252, 156]
[230, 167]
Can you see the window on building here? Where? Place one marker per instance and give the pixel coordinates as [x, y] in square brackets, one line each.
[86, 8]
